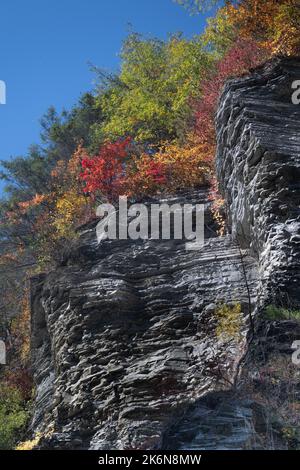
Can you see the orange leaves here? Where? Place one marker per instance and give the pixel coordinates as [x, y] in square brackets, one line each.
[274, 24]
[65, 171]
[170, 168]
[252, 17]
[23, 207]
[35, 201]
[189, 165]
[144, 176]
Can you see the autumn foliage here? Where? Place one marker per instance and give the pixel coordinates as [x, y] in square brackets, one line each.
[146, 131]
[117, 170]
[274, 24]
[71, 206]
[238, 60]
[104, 172]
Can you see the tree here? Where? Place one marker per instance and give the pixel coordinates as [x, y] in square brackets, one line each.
[63, 133]
[220, 33]
[32, 190]
[238, 60]
[150, 99]
[12, 417]
[72, 207]
[103, 174]
[274, 24]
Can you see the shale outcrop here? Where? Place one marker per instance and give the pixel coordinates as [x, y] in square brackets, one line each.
[258, 167]
[125, 350]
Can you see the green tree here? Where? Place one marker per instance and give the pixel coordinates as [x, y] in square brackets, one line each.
[61, 134]
[150, 99]
[220, 34]
[13, 417]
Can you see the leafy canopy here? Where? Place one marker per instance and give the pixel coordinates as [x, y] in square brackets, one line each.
[12, 417]
[151, 98]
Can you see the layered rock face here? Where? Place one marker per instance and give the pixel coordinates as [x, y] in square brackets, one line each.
[125, 350]
[124, 337]
[258, 166]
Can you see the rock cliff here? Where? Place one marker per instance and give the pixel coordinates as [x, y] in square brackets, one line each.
[125, 350]
[258, 166]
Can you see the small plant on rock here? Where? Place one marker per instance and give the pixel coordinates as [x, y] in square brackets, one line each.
[13, 416]
[273, 312]
[230, 321]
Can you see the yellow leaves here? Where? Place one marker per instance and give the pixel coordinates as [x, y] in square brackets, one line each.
[217, 213]
[151, 98]
[230, 321]
[286, 34]
[20, 330]
[217, 207]
[34, 442]
[253, 17]
[30, 444]
[220, 31]
[189, 165]
[71, 208]
[273, 23]
[171, 168]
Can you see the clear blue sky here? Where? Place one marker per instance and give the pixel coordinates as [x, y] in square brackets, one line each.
[45, 47]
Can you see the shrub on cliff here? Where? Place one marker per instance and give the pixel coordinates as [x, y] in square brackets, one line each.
[229, 321]
[13, 417]
[274, 24]
[274, 312]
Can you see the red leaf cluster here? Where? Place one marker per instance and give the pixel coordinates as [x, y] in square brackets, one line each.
[156, 171]
[104, 173]
[243, 56]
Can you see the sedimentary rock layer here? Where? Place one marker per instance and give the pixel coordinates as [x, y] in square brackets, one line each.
[124, 337]
[258, 167]
[125, 350]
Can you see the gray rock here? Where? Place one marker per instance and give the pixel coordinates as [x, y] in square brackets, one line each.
[129, 337]
[124, 347]
[258, 167]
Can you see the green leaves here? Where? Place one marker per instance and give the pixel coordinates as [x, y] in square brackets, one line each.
[13, 417]
[157, 80]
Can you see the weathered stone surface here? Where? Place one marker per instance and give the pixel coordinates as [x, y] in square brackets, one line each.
[219, 421]
[125, 353]
[132, 333]
[258, 166]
